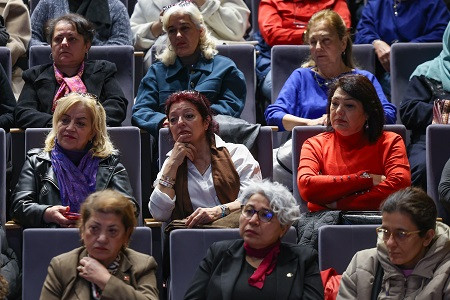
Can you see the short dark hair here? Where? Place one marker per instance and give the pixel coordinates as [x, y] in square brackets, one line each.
[361, 89]
[83, 26]
[415, 203]
[201, 103]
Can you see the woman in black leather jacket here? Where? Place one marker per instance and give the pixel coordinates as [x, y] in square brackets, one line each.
[77, 160]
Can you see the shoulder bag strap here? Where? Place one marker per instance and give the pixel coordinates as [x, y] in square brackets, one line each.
[378, 280]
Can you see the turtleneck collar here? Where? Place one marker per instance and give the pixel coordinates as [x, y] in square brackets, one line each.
[353, 141]
[73, 155]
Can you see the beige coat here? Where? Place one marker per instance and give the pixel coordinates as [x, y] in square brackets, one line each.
[135, 278]
[429, 280]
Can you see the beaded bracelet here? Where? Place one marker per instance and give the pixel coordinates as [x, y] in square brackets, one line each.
[166, 183]
[168, 179]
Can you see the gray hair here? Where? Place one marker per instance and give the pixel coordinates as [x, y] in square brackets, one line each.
[281, 200]
[207, 43]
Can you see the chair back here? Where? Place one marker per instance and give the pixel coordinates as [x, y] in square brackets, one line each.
[5, 61]
[122, 56]
[184, 261]
[126, 139]
[287, 58]
[405, 57]
[301, 133]
[338, 244]
[40, 245]
[263, 144]
[437, 154]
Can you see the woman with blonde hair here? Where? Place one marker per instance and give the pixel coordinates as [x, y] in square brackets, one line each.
[188, 61]
[78, 159]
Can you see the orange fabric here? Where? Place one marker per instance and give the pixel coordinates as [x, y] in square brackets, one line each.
[330, 168]
[284, 22]
[331, 281]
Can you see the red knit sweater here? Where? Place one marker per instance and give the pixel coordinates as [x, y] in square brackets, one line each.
[331, 166]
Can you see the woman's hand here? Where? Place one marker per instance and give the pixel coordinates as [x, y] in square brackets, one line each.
[93, 271]
[54, 214]
[383, 51]
[182, 149]
[377, 179]
[203, 215]
[319, 121]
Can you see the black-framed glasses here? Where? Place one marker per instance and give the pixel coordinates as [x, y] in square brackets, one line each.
[180, 3]
[264, 215]
[399, 235]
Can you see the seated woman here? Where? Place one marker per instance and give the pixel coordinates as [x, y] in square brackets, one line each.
[202, 176]
[355, 165]
[303, 98]
[444, 187]
[103, 268]
[226, 20]
[255, 266]
[188, 62]
[78, 159]
[284, 23]
[7, 102]
[110, 18]
[429, 82]
[412, 257]
[70, 37]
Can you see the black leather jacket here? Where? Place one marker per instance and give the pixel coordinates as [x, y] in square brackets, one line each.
[37, 188]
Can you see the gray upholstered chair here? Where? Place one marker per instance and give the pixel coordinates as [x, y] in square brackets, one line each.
[437, 154]
[338, 244]
[263, 144]
[187, 249]
[300, 134]
[287, 58]
[5, 61]
[40, 245]
[126, 139]
[122, 56]
[405, 57]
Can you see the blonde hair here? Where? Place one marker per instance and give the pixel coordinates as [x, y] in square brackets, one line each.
[101, 144]
[109, 201]
[335, 22]
[207, 44]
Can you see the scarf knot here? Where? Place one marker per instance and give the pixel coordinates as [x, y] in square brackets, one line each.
[269, 255]
[68, 84]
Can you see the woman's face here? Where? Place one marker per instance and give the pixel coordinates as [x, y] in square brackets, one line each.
[68, 46]
[407, 251]
[104, 234]
[258, 234]
[325, 46]
[74, 128]
[183, 34]
[186, 124]
[346, 113]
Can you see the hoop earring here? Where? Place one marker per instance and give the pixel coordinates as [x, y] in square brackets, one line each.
[170, 47]
[86, 55]
[51, 56]
[367, 125]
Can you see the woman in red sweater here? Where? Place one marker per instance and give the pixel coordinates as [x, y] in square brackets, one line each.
[355, 165]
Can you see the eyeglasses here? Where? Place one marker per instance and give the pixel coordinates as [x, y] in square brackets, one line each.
[399, 235]
[264, 215]
[181, 3]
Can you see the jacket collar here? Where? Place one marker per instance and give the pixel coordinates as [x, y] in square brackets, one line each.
[286, 269]
[203, 65]
[48, 74]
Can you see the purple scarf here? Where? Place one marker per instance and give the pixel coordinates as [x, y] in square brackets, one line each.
[75, 182]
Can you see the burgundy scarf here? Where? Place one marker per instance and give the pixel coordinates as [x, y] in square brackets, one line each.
[266, 267]
[225, 178]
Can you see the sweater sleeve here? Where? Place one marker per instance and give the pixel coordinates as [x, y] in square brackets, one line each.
[416, 108]
[120, 27]
[17, 23]
[438, 18]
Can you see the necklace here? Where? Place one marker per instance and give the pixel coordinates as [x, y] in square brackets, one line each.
[322, 82]
[396, 5]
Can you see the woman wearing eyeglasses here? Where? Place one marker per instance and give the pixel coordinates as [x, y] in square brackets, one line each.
[260, 266]
[412, 257]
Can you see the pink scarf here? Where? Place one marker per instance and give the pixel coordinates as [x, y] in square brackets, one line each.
[68, 84]
[266, 267]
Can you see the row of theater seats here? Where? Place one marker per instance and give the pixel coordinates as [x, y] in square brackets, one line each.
[41, 245]
[285, 59]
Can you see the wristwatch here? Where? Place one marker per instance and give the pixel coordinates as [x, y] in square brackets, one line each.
[225, 210]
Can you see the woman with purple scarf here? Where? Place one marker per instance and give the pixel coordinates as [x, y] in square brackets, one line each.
[78, 159]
